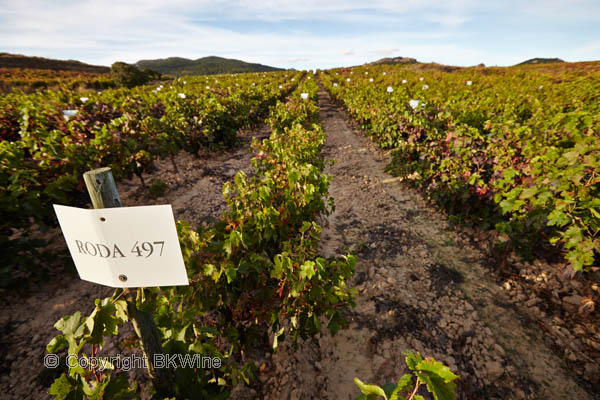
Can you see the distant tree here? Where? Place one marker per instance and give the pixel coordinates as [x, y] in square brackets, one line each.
[151, 75]
[129, 75]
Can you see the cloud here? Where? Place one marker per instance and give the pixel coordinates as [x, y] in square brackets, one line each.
[292, 60]
[298, 34]
[579, 11]
[587, 51]
[448, 20]
[384, 52]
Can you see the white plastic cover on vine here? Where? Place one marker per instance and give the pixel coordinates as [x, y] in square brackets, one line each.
[414, 104]
[371, 80]
[335, 85]
[425, 87]
[469, 83]
[182, 95]
[421, 78]
[404, 80]
[83, 99]
[304, 95]
[390, 89]
[347, 79]
[69, 113]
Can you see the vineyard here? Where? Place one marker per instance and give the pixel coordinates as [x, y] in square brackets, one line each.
[515, 151]
[433, 227]
[12, 80]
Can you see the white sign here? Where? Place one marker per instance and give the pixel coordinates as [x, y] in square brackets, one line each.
[124, 247]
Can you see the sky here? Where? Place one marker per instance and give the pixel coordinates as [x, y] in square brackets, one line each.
[303, 34]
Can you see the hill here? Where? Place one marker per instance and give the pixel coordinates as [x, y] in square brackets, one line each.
[25, 62]
[394, 60]
[178, 66]
[541, 61]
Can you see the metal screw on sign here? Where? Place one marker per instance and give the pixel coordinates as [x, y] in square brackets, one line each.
[123, 278]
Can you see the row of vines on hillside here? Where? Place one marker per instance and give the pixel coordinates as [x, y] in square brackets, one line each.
[30, 80]
[517, 149]
[50, 138]
[255, 271]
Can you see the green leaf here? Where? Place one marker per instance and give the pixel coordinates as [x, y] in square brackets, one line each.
[370, 389]
[388, 388]
[571, 156]
[437, 368]
[227, 245]
[264, 193]
[438, 387]
[181, 334]
[558, 218]
[121, 310]
[307, 270]
[69, 324]
[507, 206]
[403, 384]
[57, 343]
[230, 272]
[102, 322]
[119, 388]
[66, 388]
[412, 359]
[529, 192]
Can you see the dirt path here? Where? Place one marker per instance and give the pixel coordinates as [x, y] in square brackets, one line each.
[420, 287]
[27, 318]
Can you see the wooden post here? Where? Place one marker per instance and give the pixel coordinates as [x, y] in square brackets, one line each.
[102, 189]
[103, 192]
